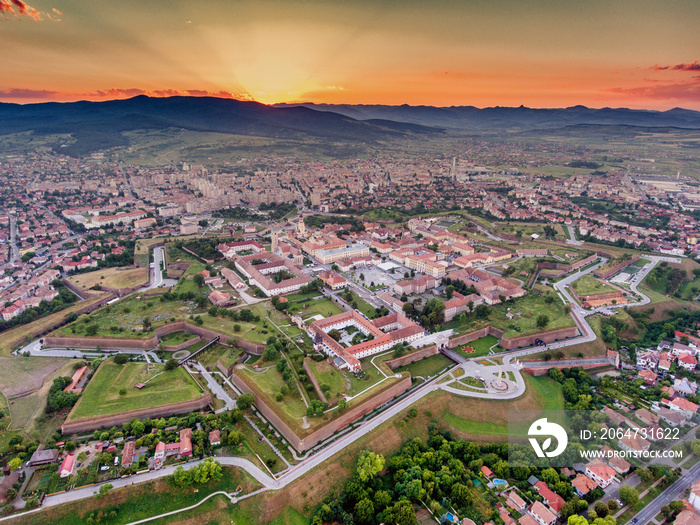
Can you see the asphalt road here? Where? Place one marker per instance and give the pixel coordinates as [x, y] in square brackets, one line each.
[670, 494]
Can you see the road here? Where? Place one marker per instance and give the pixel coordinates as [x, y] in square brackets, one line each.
[35, 349]
[157, 270]
[394, 408]
[216, 388]
[670, 494]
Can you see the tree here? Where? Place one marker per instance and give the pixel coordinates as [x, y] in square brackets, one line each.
[10, 494]
[121, 359]
[645, 474]
[245, 401]
[601, 509]
[342, 404]
[364, 510]
[171, 364]
[461, 495]
[628, 495]
[542, 321]
[335, 334]
[449, 291]
[15, 463]
[91, 331]
[400, 514]
[234, 438]
[104, 489]
[122, 391]
[369, 464]
[146, 324]
[695, 446]
[199, 280]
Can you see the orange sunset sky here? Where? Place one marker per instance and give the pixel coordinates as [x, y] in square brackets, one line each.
[554, 53]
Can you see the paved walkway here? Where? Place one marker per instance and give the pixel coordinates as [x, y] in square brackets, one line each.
[216, 388]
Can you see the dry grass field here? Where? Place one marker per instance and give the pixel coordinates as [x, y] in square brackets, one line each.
[111, 278]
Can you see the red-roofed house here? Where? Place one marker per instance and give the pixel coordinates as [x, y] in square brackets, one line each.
[687, 361]
[66, 468]
[542, 514]
[683, 406]
[486, 471]
[583, 484]
[186, 442]
[600, 472]
[552, 499]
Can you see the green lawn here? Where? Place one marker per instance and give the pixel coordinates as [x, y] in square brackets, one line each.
[101, 396]
[329, 375]
[526, 310]
[481, 347]
[426, 367]
[322, 307]
[176, 338]
[266, 384]
[589, 285]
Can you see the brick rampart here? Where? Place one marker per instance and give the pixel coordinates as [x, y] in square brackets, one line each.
[548, 337]
[412, 357]
[110, 343]
[314, 381]
[94, 423]
[332, 427]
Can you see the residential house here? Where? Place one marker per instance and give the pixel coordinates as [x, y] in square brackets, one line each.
[128, 454]
[634, 443]
[554, 500]
[684, 406]
[583, 485]
[542, 515]
[649, 376]
[515, 502]
[673, 418]
[186, 442]
[43, 456]
[648, 360]
[687, 361]
[600, 472]
[215, 438]
[687, 517]
[647, 417]
[694, 497]
[66, 468]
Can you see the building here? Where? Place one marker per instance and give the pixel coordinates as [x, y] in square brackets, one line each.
[186, 442]
[270, 273]
[685, 407]
[78, 376]
[672, 418]
[231, 250]
[583, 485]
[687, 517]
[542, 514]
[554, 500]
[687, 361]
[649, 376]
[221, 299]
[634, 443]
[66, 468]
[128, 454]
[460, 303]
[649, 360]
[215, 437]
[348, 252]
[386, 332]
[489, 287]
[420, 285]
[233, 279]
[43, 456]
[600, 472]
[515, 502]
[333, 280]
[694, 497]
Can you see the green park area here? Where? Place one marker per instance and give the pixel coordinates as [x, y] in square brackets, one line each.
[521, 316]
[480, 347]
[486, 419]
[589, 285]
[112, 389]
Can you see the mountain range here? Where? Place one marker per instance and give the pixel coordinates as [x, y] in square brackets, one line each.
[99, 125]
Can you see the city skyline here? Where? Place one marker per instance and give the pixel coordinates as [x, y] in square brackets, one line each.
[534, 53]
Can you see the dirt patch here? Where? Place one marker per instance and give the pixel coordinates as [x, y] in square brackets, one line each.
[22, 375]
[661, 310]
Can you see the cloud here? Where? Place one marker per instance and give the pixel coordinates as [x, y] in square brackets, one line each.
[115, 93]
[693, 66]
[678, 91]
[20, 93]
[19, 8]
